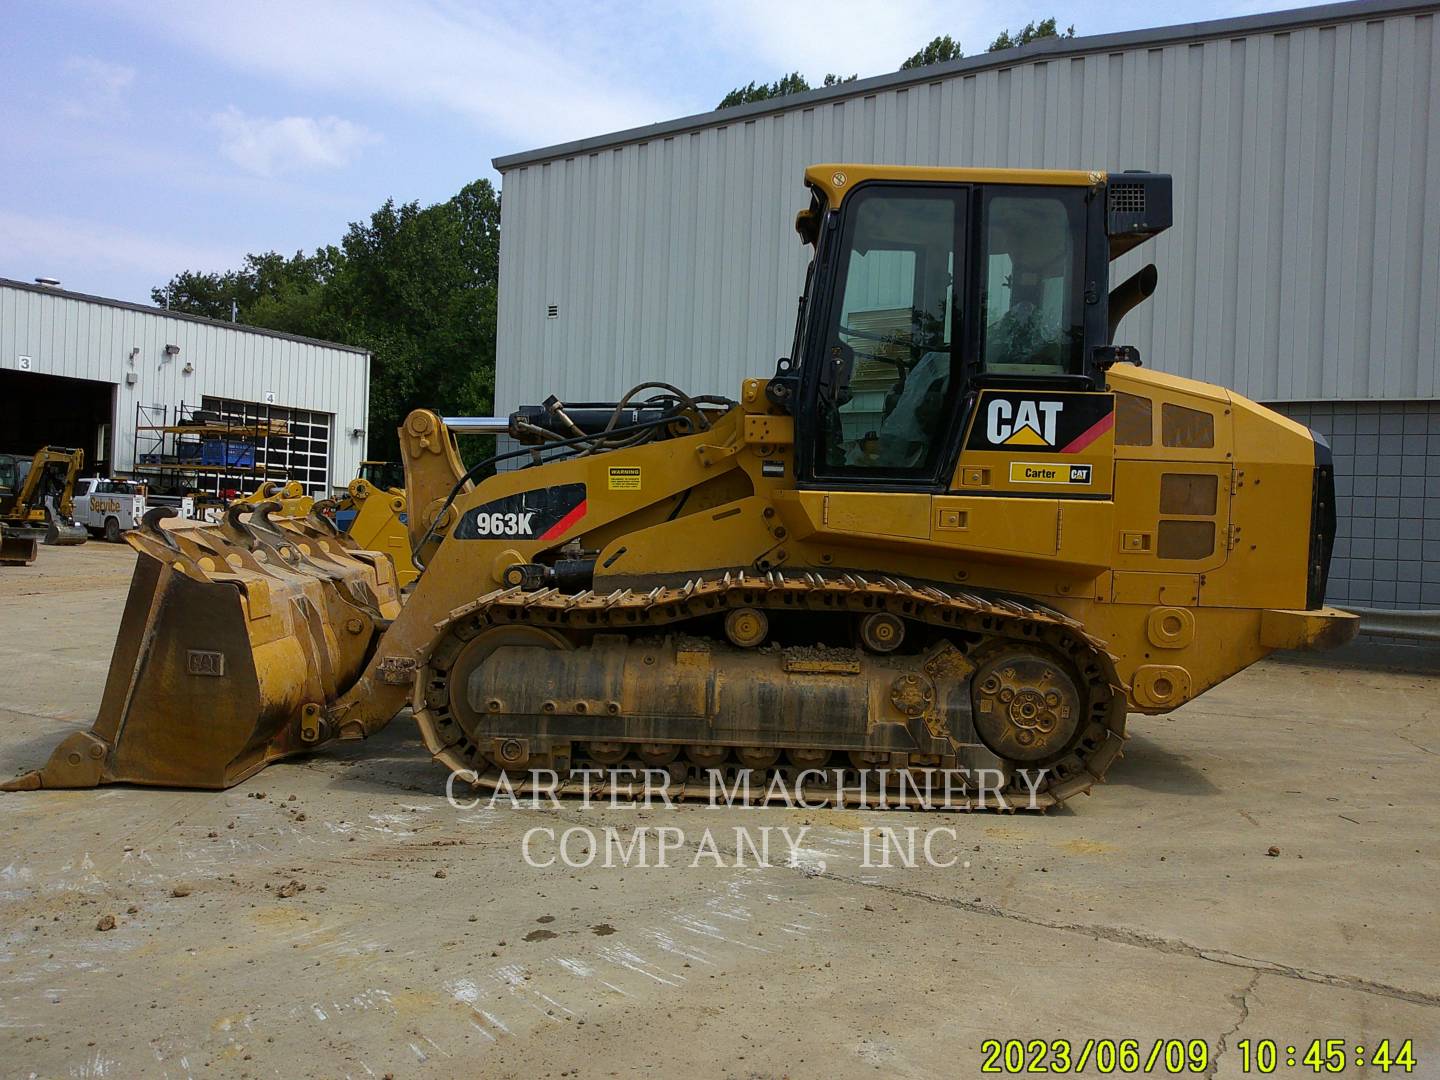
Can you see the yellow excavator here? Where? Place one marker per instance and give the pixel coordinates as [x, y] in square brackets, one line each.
[15, 549]
[959, 528]
[36, 496]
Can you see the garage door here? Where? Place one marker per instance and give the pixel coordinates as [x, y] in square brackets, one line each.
[301, 453]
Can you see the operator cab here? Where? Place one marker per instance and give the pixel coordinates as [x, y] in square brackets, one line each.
[928, 285]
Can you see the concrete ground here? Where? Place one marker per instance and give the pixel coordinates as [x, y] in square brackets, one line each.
[422, 943]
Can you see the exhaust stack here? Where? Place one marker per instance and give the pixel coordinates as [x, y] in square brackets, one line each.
[1138, 287]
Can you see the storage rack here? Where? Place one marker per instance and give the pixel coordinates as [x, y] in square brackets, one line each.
[216, 449]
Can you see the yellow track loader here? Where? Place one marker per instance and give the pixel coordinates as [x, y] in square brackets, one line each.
[959, 529]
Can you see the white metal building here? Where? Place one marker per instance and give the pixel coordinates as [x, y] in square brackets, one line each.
[111, 377]
[1303, 268]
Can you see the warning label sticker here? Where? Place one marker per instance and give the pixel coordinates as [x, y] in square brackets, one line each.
[1034, 472]
[624, 477]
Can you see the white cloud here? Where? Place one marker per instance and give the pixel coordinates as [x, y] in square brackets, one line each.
[500, 73]
[269, 147]
[79, 252]
[94, 89]
[850, 37]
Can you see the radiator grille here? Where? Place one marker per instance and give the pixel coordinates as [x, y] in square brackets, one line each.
[1127, 198]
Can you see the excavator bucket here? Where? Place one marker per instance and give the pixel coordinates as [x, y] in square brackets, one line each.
[60, 532]
[234, 639]
[16, 550]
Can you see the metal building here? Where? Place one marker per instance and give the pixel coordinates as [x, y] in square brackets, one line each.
[116, 379]
[1303, 269]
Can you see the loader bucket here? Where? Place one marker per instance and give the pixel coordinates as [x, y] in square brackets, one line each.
[234, 639]
[16, 550]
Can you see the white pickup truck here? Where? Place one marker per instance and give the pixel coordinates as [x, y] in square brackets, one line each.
[109, 507]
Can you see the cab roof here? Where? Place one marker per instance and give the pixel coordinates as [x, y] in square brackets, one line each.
[837, 179]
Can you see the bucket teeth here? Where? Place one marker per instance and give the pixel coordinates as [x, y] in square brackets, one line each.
[229, 631]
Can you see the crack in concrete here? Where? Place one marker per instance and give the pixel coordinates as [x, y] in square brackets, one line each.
[1124, 936]
[1399, 733]
[1242, 1002]
[51, 718]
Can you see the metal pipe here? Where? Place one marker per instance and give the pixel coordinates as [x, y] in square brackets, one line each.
[478, 425]
[1393, 623]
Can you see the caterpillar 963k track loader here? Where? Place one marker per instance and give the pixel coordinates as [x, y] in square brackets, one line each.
[959, 527]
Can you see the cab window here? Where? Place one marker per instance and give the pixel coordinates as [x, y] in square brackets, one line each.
[1031, 272]
[886, 391]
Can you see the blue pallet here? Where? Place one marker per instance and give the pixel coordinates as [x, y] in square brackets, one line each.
[231, 455]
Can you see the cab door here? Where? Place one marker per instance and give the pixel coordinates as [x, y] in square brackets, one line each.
[1035, 474]
[885, 365]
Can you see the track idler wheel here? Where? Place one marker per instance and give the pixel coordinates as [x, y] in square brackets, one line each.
[706, 757]
[881, 632]
[658, 755]
[746, 627]
[606, 753]
[808, 757]
[869, 759]
[1027, 707]
[512, 754]
[757, 757]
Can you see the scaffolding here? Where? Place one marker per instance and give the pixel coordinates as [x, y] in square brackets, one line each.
[220, 449]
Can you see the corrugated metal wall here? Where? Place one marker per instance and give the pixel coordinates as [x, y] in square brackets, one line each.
[84, 339]
[1304, 263]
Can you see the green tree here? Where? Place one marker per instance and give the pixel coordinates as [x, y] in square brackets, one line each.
[211, 294]
[1031, 31]
[794, 83]
[416, 286]
[938, 51]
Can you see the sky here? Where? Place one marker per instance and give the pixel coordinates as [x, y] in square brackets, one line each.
[139, 138]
